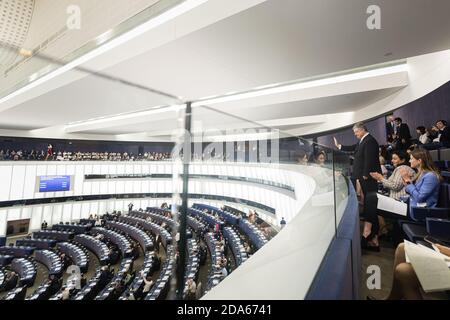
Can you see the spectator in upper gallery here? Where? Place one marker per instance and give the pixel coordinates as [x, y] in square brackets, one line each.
[403, 135]
[41, 155]
[391, 128]
[49, 152]
[423, 137]
[44, 225]
[441, 135]
[62, 155]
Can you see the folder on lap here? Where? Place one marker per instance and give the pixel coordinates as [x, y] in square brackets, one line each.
[391, 205]
[430, 267]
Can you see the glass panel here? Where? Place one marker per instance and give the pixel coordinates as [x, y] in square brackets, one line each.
[301, 188]
[66, 45]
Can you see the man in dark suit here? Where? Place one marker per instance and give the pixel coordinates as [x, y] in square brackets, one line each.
[442, 136]
[366, 160]
[391, 128]
[403, 135]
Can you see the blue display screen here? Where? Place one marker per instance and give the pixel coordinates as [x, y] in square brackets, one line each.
[54, 183]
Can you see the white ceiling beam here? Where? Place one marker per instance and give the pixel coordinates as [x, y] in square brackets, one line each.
[376, 79]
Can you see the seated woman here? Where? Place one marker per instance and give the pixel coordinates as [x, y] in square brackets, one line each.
[321, 158]
[405, 283]
[423, 189]
[395, 183]
[423, 137]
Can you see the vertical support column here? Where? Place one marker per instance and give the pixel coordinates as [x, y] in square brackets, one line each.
[334, 193]
[184, 202]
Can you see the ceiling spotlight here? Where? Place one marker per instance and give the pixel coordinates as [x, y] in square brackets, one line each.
[25, 53]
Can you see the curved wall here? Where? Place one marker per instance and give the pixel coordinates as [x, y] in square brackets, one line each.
[426, 73]
[424, 111]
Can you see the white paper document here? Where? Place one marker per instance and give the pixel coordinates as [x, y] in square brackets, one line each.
[392, 205]
[430, 267]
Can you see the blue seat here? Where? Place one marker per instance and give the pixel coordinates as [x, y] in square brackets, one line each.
[414, 232]
[438, 228]
[430, 221]
[442, 164]
[446, 176]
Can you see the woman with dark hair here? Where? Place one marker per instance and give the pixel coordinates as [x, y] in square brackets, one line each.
[302, 157]
[321, 158]
[409, 150]
[423, 135]
[394, 183]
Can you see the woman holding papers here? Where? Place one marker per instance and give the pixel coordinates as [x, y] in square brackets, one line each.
[406, 284]
[394, 183]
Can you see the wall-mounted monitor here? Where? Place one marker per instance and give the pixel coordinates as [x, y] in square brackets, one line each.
[16, 227]
[54, 183]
